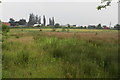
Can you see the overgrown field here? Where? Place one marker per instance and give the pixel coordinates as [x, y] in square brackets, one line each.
[38, 54]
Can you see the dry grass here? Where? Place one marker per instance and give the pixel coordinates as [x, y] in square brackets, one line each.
[25, 40]
[85, 36]
[103, 36]
[40, 54]
[71, 30]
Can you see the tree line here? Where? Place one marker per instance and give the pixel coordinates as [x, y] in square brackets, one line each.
[33, 19]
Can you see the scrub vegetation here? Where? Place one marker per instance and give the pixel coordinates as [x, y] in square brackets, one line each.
[39, 54]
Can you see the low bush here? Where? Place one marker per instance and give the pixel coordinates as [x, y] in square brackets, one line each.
[5, 28]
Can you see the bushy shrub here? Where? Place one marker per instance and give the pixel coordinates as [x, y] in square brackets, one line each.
[17, 37]
[63, 29]
[40, 29]
[53, 29]
[5, 28]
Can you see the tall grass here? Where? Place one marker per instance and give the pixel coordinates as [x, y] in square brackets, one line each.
[54, 57]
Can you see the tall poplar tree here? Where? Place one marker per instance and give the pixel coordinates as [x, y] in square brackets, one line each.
[39, 20]
[44, 20]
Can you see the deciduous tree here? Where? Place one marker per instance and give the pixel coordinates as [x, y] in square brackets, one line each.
[22, 22]
[50, 22]
[31, 21]
[99, 26]
[12, 22]
[53, 22]
[44, 20]
[39, 20]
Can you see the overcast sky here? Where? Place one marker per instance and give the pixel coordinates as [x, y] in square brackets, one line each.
[79, 13]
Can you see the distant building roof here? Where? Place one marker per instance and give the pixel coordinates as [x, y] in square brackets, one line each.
[6, 23]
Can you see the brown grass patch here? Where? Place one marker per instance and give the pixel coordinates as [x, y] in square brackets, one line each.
[108, 37]
[24, 40]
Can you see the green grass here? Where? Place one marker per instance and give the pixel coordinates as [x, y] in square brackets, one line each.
[44, 56]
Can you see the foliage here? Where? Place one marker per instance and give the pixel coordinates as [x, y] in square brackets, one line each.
[108, 2]
[34, 19]
[51, 21]
[31, 19]
[39, 20]
[99, 26]
[117, 26]
[44, 20]
[22, 22]
[57, 25]
[47, 56]
[68, 25]
[12, 22]
[63, 29]
[5, 28]
[53, 29]
[17, 23]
